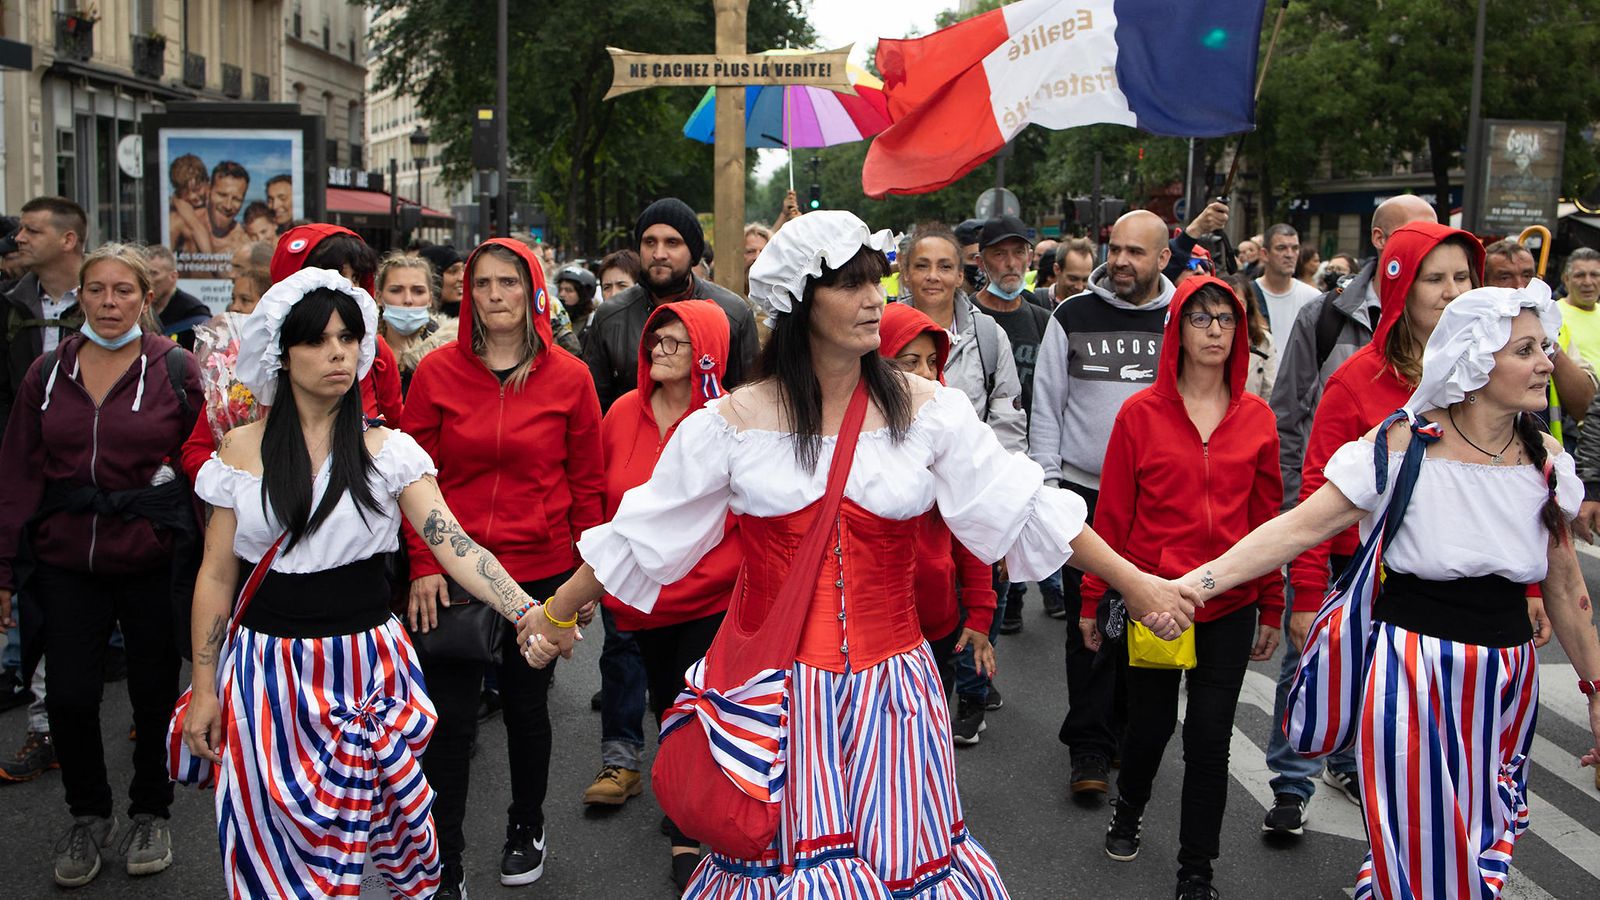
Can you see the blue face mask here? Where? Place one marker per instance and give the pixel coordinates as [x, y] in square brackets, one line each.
[994, 288]
[117, 343]
[406, 319]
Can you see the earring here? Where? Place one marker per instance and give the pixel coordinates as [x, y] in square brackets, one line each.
[1472, 398]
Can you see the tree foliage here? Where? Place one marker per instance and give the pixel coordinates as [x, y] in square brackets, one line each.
[592, 163]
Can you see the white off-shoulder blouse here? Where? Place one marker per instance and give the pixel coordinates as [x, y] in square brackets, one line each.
[1464, 520]
[346, 536]
[995, 502]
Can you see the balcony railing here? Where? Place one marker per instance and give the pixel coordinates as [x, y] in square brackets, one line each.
[260, 88]
[232, 81]
[149, 56]
[194, 70]
[75, 35]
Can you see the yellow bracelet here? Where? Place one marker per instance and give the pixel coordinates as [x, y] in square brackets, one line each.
[570, 623]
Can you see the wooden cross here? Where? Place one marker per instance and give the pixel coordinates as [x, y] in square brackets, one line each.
[729, 67]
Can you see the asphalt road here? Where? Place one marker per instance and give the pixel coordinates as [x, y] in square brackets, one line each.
[1013, 786]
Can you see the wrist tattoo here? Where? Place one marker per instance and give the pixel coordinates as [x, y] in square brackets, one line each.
[436, 530]
[1207, 582]
[505, 589]
[208, 652]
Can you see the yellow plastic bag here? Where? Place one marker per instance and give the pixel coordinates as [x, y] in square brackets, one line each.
[1146, 651]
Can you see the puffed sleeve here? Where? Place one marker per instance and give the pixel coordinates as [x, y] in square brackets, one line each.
[402, 461]
[1569, 489]
[996, 502]
[217, 483]
[1350, 469]
[663, 527]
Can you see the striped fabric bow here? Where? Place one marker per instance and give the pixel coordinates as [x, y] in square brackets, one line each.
[745, 727]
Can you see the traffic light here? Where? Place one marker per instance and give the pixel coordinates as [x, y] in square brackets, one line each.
[816, 196]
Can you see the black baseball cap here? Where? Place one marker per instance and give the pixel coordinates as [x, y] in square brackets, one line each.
[967, 232]
[9, 226]
[1002, 228]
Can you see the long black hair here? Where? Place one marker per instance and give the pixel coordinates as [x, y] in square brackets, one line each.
[786, 360]
[1530, 430]
[285, 460]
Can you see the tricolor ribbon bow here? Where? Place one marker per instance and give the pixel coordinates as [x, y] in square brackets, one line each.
[745, 727]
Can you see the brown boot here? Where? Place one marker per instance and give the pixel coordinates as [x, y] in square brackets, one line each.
[613, 786]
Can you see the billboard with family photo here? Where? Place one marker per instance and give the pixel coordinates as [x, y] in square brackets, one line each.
[221, 186]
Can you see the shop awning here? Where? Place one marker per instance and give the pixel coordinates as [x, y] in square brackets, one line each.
[351, 207]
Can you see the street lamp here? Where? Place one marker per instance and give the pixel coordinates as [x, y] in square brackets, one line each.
[419, 153]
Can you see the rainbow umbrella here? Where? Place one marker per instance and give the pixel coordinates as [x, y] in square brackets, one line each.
[789, 116]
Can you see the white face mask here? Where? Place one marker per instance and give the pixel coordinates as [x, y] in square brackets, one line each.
[117, 343]
[406, 319]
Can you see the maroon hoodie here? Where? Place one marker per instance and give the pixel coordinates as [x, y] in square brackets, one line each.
[633, 443]
[1170, 501]
[58, 433]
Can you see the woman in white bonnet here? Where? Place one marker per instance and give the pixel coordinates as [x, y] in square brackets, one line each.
[1451, 691]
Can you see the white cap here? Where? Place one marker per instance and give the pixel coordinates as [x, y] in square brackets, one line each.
[800, 250]
[1472, 328]
[260, 356]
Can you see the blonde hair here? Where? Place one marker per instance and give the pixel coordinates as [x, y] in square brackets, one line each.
[480, 340]
[129, 255]
[396, 259]
[758, 228]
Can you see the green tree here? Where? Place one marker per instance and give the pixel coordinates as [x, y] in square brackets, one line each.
[592, 163]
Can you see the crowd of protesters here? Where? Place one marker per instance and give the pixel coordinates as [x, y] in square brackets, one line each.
[441, 464]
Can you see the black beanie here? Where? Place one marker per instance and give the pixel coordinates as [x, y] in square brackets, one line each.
[675, 213]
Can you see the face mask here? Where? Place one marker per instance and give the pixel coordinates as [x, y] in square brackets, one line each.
[132, 334]
[974, 276]
[994, 288]
[406, 319]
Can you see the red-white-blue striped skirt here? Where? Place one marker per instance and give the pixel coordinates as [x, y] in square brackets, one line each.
[1443, 760]
[869, 808]
[321, 766]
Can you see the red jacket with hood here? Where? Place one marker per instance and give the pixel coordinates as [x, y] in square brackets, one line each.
[380, 389]
[521, 469]
[58, 433]
[948, 577]
[1363, 391]
[633, 442]
[1169, 501]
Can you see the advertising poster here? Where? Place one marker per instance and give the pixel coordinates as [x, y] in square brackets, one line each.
[1522, 184]
[220, 190]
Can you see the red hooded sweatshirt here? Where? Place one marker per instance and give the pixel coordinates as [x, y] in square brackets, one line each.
[1364, 390]
[380, 389]
[521, 469]
[948, 578]
[1169, 501]
[633, 443]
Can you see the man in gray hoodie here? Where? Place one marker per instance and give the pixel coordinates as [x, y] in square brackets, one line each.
[1099, 348]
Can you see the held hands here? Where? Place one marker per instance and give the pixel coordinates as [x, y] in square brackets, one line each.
[542, 640]
[202, 727]
[982, 651]
[1161, 600]
[428, 593]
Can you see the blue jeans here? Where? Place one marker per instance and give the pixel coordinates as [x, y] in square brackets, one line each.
[623, 683]
[1296, 774]
[969, 683]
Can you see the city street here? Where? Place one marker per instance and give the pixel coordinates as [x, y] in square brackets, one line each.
[1013, 785]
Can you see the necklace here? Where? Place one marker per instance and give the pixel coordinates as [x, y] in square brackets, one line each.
[1494, 458]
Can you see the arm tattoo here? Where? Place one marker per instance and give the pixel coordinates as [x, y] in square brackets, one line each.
[504, 588]
[208, 652]
[1207, 582]
[436, 530]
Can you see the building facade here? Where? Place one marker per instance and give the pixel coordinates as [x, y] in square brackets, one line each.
[324, 72]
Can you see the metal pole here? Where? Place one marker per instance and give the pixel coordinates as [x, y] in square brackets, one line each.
[420, 205]
[1471, 194]
[1094, 205]
[501, 113]
[394, 200]
[1261, 79]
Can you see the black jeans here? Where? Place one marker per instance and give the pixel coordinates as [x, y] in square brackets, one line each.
[1096, 700]
[667, 652]
[454, 688]
[1222, 651]
[80, 610]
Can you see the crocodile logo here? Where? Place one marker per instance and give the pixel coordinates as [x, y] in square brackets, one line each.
[1132, 372]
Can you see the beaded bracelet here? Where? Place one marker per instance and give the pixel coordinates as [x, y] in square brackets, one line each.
[517, 616]
[569, 623]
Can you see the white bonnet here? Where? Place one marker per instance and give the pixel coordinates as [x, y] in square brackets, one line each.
[259, 352]
[1472, 328]
[802, 247]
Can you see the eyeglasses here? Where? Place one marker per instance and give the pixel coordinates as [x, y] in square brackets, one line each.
[1203, 320]
[668, 345]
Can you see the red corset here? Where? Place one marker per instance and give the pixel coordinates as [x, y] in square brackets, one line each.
[863, 610]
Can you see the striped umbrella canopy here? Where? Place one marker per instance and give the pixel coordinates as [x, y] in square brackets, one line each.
[789, 116]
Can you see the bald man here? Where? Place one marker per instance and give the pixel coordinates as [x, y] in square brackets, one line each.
[1099, 348]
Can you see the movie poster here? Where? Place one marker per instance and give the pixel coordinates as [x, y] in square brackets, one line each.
[222, 189]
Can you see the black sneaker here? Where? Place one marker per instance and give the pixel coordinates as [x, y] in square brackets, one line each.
[1090, 779]
[452, 884]
[1122, 835]
[1345, 783]
[683, 866]
[968, 723]
[13, 693]
[1011, 623]
[1196, 887]
[993, 701]
[522, 861]
[1288, 815]
[36, 756]
[1055, 610]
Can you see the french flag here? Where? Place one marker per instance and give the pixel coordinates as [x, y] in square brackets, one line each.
[1182, 68]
